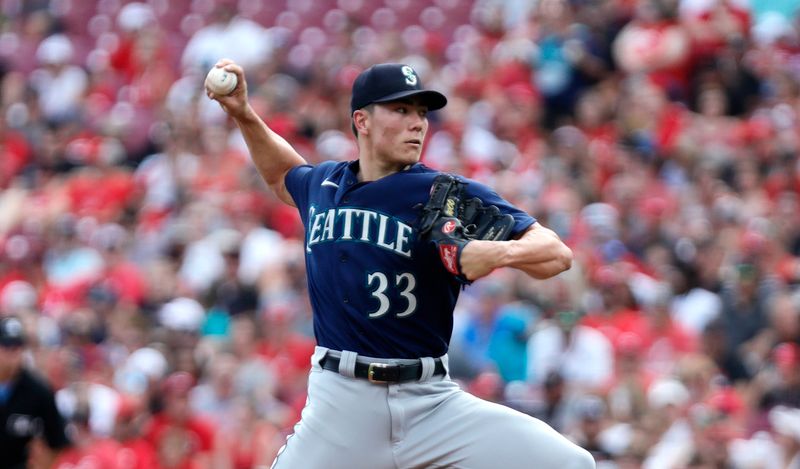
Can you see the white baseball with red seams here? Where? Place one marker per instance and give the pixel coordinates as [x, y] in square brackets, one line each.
[221, 81]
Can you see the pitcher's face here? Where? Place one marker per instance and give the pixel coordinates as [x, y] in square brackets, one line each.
[397, 130]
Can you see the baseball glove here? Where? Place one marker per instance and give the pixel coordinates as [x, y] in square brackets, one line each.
[450, 223]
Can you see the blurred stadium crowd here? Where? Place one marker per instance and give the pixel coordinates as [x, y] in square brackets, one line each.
[164, 286]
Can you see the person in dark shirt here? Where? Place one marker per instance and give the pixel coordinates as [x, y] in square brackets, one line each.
[27, 406]
[716, 345]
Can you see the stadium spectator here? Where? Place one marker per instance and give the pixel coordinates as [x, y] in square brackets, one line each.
[182, 439]
[27, 406]
[227, 35]
[565, 345]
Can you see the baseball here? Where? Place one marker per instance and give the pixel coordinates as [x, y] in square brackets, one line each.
[220, 81]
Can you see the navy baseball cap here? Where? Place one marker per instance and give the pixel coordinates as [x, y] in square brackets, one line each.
[389, 82]
[12, 333]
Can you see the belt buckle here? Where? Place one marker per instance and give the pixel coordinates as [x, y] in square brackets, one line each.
[371, 372]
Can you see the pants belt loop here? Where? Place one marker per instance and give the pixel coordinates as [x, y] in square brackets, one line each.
[428, 367]
[347, 364]
[446, 362]
[319, 354]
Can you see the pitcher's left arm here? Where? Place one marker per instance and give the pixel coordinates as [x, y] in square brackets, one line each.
[539, 252]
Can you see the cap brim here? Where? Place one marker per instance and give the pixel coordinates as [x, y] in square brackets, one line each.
[433, 99]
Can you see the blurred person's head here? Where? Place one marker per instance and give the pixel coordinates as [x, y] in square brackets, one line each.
[522, 112]
[38, 23]
[553, 11]
[142, 372]
[135, 16]
[18, 297]
[243, 335]
[714, 339]
[713, 431]
[613, 284]
[566, 320]
[590, 111]
[646, 102]
[79, 424]
[487, 385]
[493, 294]
[591, 412]
[182, 318]
[667, 392]
[602, 220]
[188, 359]
[221, 373]
[784, 317]
[668, 400]
[712, 102]
[651, 11]
[569, 144]
[130, 415]
[55, 51]
[786, 357]
[224, 11]
[659, 312]
[630, 349]
[683, 278]
[696, 371]
[215, 140]
[78, 327]
[12, 343]
[747, 277]
[726, 402]
[553, 387]
[175, 394]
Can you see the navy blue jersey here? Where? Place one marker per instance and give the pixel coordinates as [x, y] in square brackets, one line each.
[375, 287]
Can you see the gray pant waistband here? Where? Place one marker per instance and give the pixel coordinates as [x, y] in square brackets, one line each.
[367, 360]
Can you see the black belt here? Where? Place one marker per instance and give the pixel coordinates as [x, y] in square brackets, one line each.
[377, 372]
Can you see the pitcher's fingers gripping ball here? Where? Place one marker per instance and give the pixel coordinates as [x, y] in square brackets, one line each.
[220, 81]
[450, 222]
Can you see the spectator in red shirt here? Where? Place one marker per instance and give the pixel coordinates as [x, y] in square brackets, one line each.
[88, 451]
[181, 439]
[666, 340]
[656, 45]
[135, 452]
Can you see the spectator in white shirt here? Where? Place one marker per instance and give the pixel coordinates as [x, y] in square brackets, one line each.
[583, 355]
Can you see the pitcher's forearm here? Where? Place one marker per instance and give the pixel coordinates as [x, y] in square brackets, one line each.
[539, 253]
[271, 153]
[546, 269]
[539, 246]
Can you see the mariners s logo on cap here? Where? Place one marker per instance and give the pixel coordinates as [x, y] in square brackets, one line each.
[411, 75]
[387, 82]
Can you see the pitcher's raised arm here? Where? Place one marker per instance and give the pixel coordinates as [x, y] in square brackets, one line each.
[271, 153]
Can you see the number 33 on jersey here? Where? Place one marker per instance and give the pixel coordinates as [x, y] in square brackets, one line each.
[366, 226]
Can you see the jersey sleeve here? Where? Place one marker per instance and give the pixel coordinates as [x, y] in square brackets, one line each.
[488, 196]
[296, 181]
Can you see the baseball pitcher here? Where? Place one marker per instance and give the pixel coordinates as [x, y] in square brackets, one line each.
[388, 245]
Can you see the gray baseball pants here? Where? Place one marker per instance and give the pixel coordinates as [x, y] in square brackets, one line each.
[351, 423]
